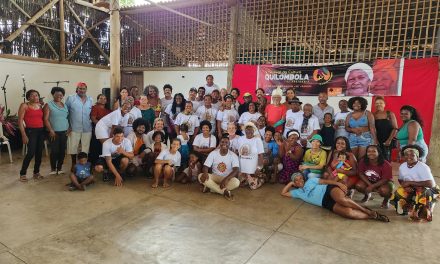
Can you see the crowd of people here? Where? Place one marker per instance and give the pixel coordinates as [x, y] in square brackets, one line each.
[209, 137]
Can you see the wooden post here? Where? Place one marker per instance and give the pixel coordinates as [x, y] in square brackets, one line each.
[115, 49]
[434, 144]
[232, 52]
[62, 34]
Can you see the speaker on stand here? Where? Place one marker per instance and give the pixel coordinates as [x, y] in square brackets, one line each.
[106, 92]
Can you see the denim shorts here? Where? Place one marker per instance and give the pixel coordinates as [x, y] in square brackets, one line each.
[364, 140]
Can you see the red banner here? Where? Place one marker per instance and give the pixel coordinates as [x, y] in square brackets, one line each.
[380, 77]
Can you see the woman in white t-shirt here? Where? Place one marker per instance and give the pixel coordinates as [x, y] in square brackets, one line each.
[187, 117]
[417, 186]
[205, 142]
[128, 119]
[225, 116]
[166, 164]
[250, 116]
[104, 127]
[340, 118]
[250, 153]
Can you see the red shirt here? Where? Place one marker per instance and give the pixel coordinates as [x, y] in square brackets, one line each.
[33, 118]
[376, 173]
[99, 112]
[275, 114]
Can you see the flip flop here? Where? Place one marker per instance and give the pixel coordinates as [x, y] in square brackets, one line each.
[38, 176]
[381, 217]
[23, 178]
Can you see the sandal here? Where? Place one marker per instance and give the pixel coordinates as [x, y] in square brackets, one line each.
[381, 217]
[23, 178]
[38, 176]
[228, 195]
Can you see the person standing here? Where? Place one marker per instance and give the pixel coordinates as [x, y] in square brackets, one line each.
[57, 123]
[30, 123]
[322, 108]
[80, 130]
[339, 119]
[207, 112]
[98, 112]
[210, 85]
[386, 127]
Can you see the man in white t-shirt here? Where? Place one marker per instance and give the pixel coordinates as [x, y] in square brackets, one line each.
[210, 85]
[225, 167]
[192, 96]
[340, 119]
[292, 115]
[116, 153]
[207, 112]
[308, 125]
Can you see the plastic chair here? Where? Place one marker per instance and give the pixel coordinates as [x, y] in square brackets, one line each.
[5, 141]
[24, 150]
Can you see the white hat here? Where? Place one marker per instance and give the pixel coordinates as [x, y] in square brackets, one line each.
[278, 91]
[360, 66]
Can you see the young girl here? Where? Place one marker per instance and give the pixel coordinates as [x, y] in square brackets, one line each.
[327, 132]
[271, 160]
[166, 164]
[184, 147]
[314, 159]
[341, 163]
[153, 151]
[190, 174]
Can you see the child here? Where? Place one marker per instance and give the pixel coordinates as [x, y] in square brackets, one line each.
[81, 175]
[184, 147]
[271, 159]
[153, 151]
[327, 132]
[341, 163]
[191, 173]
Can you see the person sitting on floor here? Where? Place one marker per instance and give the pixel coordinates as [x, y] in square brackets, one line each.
[116, 155]
[225, 168]
[190, 174]
[81, 175]
[330, 195]
[167, 163]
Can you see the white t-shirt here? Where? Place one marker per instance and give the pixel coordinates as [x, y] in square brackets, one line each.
[170, 114]
[312, 125]
[222, 165]
[208, 114]
[128, 119]
[233, 144]
[166, 155]
[248, 117]
[182, 140]
[204, 143]
[196, 105]
[248, 150]
[262, 131]
[209, 89]
[191, 120]
[164, 102]
[113, 119]
[420, 172]
[291, 119]
[227, 116]
[150, 139]
[340, 121]
[109, 149]
[217, 105]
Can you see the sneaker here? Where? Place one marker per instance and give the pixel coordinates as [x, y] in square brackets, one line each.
[53, 172]
[400, 205]
[60, 172]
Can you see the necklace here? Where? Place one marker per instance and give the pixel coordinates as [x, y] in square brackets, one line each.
[411, 166]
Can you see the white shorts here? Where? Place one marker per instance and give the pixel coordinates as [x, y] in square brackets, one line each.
[73, 140]
[102, 132]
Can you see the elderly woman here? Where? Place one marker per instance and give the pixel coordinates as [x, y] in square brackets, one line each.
[386, 73]
[314, 159]
[343, 145]
[375, 175]
[276, 112]
[411, 132]
[291, 153]
[104, 127]
[358, 78]
[233, 137]
[57, 123]
[386, 126]
[360, 126]
[330, 195]
[128, 119]
[146, 111]
[417, 186]
[158, 125]
[250, 150]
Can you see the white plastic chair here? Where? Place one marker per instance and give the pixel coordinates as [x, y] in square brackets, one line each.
[24, 150]
[5, 142]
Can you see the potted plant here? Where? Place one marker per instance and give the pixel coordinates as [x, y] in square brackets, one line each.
[10, 127]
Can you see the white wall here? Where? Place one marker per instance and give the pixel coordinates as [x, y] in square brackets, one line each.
[182, 81]
[36, 73]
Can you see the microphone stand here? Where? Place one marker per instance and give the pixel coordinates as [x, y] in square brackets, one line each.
[58, 82]
[4, 92]
[24, 89]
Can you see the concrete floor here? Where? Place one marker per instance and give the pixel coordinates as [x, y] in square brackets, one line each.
[42, 222]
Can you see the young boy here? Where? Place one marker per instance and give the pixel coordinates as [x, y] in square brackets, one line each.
[327, 132]
[271, 161]
[81, 176]
[193, 170]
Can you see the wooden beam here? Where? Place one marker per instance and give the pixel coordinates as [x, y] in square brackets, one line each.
[38, 29]
[176, 4]
[88, 32]
[232, 49]
[87, 4]
[26, 58]
[85, 38]
[23, 27]
[62, 34]
[434, 144]
[115, 49]
[142, 69]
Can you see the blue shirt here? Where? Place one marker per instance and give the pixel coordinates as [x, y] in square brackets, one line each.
[82, 171]
[311, 193]
[79, 113]
[273, 146]
[58, 117]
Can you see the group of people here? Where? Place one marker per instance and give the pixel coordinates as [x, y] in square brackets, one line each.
[211, 138]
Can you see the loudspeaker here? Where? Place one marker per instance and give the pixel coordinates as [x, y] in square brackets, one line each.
[106, 92]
